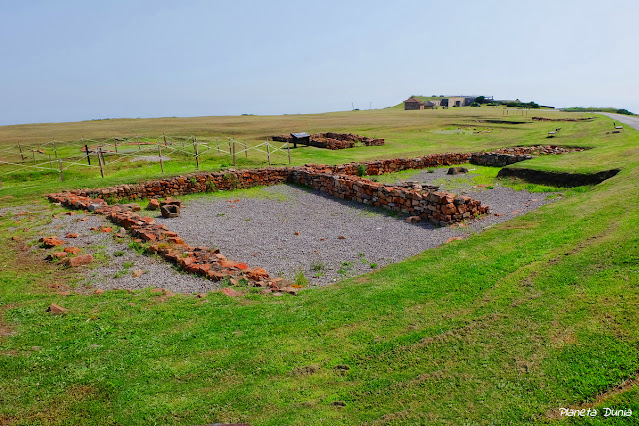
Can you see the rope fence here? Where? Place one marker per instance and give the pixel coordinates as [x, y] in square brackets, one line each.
[61, 156]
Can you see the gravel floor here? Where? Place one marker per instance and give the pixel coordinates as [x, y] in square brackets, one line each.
[117, 262]
[262, 232]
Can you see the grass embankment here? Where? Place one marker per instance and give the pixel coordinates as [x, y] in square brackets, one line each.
[503, 327]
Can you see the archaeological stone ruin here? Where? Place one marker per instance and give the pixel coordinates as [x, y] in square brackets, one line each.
[341, 181]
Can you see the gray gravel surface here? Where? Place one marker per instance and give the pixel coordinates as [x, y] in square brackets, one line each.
[262, 231]
[115, 262]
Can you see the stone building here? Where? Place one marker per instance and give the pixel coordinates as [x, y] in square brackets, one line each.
[412, 103]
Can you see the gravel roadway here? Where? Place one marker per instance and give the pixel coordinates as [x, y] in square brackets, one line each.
[630, 120]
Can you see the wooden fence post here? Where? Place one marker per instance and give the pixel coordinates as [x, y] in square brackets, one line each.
[160, 156]
[138, 138]
[245, 150]
[115, 144]
[288, 149]
[268, 152]
[197, 155]
[100, 161]
[55, 150]
[61, 171]
[233, 152]
[86, 148]
[21, 155]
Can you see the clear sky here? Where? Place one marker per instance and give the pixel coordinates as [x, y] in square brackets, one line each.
[71, 60]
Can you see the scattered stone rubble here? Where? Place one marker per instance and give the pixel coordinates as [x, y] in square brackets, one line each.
[167, 244]
[332, 140]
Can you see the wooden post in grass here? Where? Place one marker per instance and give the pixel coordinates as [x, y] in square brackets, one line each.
[61, 171]
[288, 149]
[86, 148]
[20, 148]
[160, 156]
[229, 145]
[100, 160]
[33, 152]
[55, 149]
[268, 152]
[115, 144]
[233, 152]
[164, 137]
[245, 149]
[138, 139]
[197, 155]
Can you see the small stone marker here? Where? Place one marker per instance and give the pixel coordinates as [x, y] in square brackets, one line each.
[230, 292]
[56, 309]
[170, 210]
[153, 204]
[72, 262]
[457, 170]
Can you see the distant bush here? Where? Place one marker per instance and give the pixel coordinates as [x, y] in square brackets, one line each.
[599, 109]
[475, 104]
[522, 105]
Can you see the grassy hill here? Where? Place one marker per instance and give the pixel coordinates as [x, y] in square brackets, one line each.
[504, 327]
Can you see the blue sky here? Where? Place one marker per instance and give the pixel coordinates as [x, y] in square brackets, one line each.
[81, 60]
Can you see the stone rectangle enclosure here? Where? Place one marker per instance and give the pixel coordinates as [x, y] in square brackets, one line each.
[340, 181]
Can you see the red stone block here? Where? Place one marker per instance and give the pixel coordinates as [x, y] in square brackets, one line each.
[77, 261]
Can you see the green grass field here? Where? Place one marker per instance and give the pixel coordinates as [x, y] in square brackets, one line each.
[504, 327]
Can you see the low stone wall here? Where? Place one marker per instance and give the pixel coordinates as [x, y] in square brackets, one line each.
[234, 179]
[193, 183]
[505, 156]
[497, 160]
[380, 167]
[209, 263]
[562, 119]
[439, 207]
